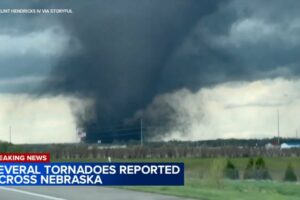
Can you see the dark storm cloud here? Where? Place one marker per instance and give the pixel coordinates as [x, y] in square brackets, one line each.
[246, 40]
[27, 50]
[131, 50]
[125, 48]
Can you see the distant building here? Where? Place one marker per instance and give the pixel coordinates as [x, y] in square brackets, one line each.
[273, 145]
[269, 146]
[289, 145]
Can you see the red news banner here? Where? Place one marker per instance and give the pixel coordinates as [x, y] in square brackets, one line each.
[25, 157]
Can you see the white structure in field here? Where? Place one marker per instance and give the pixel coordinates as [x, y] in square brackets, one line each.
[289, 145]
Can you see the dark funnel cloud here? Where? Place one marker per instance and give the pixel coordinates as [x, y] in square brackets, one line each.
[125, 46]
[131, 51]
[124, 54]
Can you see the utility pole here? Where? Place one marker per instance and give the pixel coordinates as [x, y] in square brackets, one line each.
[76, 135]
[278, 127]
[10, 134]
[141, 132]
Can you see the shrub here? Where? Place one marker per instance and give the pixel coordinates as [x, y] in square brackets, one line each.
[215, 175]
[260, 163]
[290, 174]
[261, 171]
[230, 171]
[249, 171]
[257, 170]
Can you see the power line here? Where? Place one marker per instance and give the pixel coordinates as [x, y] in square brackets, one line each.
[114, 136]
[115, 128]
[141, 132]
[119, 130]
[278, 126]
[10, 134]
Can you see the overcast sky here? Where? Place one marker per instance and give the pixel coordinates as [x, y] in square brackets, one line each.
[208, 69]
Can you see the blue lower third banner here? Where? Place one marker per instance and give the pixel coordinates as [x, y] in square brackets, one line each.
[106, 174]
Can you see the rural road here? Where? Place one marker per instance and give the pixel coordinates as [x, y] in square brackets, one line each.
[76, 193]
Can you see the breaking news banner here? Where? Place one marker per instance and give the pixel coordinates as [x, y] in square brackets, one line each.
[25, 157]
[31, 173]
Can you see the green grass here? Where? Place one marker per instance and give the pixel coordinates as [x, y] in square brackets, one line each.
[199, 186]
[232, 190]
[198, 167]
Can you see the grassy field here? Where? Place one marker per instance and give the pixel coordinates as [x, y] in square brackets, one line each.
[199, 185]
[230, 190]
